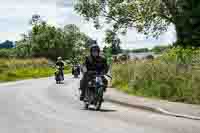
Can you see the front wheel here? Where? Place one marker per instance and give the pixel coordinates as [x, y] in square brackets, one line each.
[99, 99]
[98, 105]
[75, 76]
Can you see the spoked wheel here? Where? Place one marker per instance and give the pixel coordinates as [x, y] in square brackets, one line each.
[99, 100]
[98, 105]
[86, 99]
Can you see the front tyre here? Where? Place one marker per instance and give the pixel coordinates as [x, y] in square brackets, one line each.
[98, 105]
[75, 76]
[99, 99]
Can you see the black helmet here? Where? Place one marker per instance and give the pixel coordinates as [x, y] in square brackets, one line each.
[94, 47]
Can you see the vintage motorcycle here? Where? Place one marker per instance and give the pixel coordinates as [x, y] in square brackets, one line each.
[58, 75]
[94, 92]
[76, 71]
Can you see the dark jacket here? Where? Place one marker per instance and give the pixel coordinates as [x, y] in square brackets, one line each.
[75, 69]
[98, 64]
[60, 64]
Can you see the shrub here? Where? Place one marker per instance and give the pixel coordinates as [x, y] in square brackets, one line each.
[6, 53]
[174, 76]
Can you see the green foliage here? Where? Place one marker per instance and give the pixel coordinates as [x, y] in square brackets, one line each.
[26, 73]
[140, 50]
[174, 76]
[145, 15]
[113, 41]
[108, 54]
[17, 69]
[188, 20]
[180, 55]
[6, 53]
[48, 41]
[151, 17]
[6, 44]
[160, 49]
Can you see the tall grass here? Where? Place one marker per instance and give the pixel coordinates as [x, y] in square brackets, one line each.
[159, 79]
[16, 69]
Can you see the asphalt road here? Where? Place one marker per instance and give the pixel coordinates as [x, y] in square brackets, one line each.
[41, 106]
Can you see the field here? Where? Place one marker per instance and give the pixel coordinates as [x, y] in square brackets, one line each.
[17, 69]
[157, 79]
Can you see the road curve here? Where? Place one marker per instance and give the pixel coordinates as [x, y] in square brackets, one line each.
[41, 106]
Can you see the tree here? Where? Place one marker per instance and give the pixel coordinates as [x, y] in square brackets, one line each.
[113, 41]
[45, 40]
[48, 41]
[116, 49]
[78, 42]
[7, 44]
[36, 19]
[151, 17]
[160, 49]
[140, 50]
[105, 48]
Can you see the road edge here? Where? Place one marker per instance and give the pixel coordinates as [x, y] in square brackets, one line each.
[148, 108]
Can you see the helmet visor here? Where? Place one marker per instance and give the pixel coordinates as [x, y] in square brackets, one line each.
[95, 52]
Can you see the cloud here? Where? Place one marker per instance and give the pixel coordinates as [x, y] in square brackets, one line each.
[133, 39]
[7, 35]
[15, 15]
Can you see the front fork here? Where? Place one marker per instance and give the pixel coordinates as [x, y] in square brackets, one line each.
[99, 94]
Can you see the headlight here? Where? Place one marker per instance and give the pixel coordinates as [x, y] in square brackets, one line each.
[84, 69]
[90, 83]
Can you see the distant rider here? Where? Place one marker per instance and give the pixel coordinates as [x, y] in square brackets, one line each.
[76, 68]
[60, 65]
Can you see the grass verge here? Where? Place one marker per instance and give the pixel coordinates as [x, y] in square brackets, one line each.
[156, 79]
[18, 69]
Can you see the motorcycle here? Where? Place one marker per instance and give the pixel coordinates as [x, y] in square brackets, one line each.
[76, 71]
[58, 75]
[94, 92]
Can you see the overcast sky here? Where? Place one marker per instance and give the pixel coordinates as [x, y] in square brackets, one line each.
[15, 15]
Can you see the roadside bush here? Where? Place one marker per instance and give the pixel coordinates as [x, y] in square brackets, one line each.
[174, 76]
[6, 53]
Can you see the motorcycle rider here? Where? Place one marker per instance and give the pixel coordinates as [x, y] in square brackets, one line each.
[93, 63]
[60, 65]
[76, 68]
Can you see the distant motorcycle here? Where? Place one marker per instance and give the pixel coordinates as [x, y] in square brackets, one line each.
[94, 92]
[76, 71]
[58, 75]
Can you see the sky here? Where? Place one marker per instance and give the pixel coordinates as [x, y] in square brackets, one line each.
[15, 16]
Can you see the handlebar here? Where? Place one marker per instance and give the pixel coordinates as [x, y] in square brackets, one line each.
[96, 73]
[108, 76]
